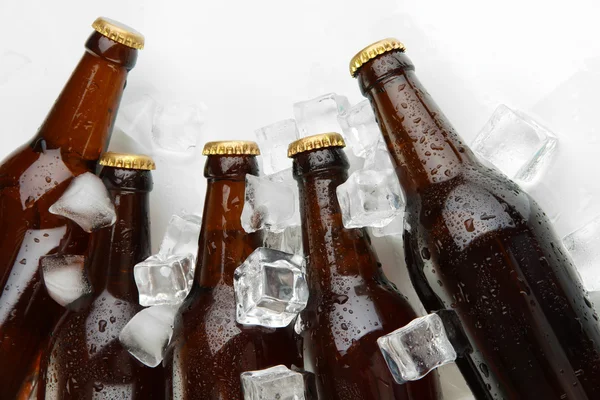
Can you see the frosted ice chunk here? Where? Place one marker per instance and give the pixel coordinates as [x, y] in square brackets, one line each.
[360, 128]
[273, 383]
[147, 335]
[515, 144]
[65, 278]
[164, 279]
[394, 228]
[584, 247]
[310, 383]
[87, 202]
[412, 351]
[177, 126]
[288, 241]
[370, 198]
[320, 115]
[377, 157]
[270, 203]
[270, 288]
[273, 141]
[181, 236]
[135, 119]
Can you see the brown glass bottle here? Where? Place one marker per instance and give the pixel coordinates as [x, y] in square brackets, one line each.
[209, 349]
[85, 359]
[32, 178]
[351, 303]
[476, 243]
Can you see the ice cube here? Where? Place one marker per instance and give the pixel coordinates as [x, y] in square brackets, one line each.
[11, 63]
[270, 288]
[515, 144]
[288, 241]
[273, 141]
[320, 115]
[273, 383]
[177, 126]
[370, 198]
[87, 202]
[394, 228]
[181, 236]
[65, 278]
[135, 119]
[148, 333]
[164, 279]
[269, 205]
[378, 157]
[412, 351]
[584, 247]
[310, 383]
[360, 128]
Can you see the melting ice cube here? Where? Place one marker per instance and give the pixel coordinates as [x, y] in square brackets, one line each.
[164, 280]
[270, 288]
[320, 115]
[377, 157]
[65, 278]
[360, 128]
[273, 383]
[87, 202]
[412, 351]
[271, 203]
[147, 334]
[288, 241]
[515, 144]
[274, 140]
[370, 198]
[135, 119]
[177, 126]
[181, 236]
[394, 228]
[584, 247]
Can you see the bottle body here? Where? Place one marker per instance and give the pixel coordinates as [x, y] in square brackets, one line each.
[210, 349]
[32, 178]
[477, 244]
[85, 359]
[351, 303]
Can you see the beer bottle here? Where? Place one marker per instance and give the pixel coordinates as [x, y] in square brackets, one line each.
[351, 303]
[32, 178]
[209, 350]
[85, 359]
[476, 243]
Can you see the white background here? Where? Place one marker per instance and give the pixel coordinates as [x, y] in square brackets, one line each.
[249, 61]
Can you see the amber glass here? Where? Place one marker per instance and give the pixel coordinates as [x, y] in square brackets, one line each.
[85, 359]
[351, 303]
[32, 178]
[477, 244]
[210, 349]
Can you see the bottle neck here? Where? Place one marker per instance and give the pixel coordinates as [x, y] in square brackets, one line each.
[423, 145]
[114, 251]
[82, 118]
[329, 246]
[224, 244]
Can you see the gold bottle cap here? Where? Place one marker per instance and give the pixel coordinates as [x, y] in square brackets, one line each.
[231, 147]
[119, 32]
[372, 51]
[127, 161]
[322, 140]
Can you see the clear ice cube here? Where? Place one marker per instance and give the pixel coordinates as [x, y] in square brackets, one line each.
[177, 126]
[270, 203]
[394, 228]
[584, 247]
[135, 119]
[270, 288]
[164, 279]
[370, 198]
[414, 350]
[360, 128]
[320, 115]
[181, 236]
[310, 383]
[147, 335]
[273, 383]
[87, 202]
[288, 241]
[273, 141]
[516, 144]
[377, 157]
[65, 278]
